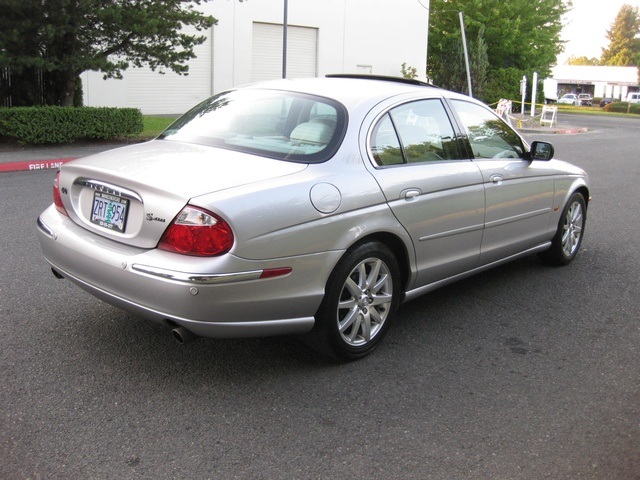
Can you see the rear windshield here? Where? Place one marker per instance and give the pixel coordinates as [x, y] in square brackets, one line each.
[274, 124]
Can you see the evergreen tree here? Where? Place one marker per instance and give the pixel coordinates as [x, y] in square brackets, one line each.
[47, 44]
[624, 39]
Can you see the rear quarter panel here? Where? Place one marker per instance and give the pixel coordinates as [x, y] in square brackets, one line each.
[277, 218]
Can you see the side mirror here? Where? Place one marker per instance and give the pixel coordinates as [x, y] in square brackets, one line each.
[541, 151]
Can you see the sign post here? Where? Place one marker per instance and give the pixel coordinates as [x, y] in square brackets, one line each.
[523, 91]
[534, 91]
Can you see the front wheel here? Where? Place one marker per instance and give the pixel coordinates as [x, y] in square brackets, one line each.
[361, 296]
[566, 243]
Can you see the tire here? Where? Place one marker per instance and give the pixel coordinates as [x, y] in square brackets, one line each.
[568, 238]
[361, 297]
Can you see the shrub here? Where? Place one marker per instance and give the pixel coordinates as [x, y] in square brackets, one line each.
[67, 124]
[623, 107]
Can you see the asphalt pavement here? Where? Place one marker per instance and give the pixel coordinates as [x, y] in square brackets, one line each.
[522, 372]
[16, 157]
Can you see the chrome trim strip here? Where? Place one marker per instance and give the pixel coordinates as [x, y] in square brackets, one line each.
[107, 188]
[517, 218]
[198, 278]
[45, 229]
[448, 233]
[495, 223]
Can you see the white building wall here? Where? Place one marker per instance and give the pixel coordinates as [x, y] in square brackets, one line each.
[384, 35]
[352, 36]
[153, 92]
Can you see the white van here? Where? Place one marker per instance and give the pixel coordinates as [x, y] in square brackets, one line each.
[633, 97]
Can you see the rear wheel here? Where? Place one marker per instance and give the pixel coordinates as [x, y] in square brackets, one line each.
[361, 297]
[566, 243]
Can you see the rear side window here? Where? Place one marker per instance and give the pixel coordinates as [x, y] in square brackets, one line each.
[414, 132]
[282, 125]
[489, 136]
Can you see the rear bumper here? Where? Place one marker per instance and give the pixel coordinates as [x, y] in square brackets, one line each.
[169, 288]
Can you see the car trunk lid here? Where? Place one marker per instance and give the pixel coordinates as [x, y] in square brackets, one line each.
[132, 194]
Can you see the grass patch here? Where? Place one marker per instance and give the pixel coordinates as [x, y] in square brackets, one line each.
[152, 125]
[594, 110]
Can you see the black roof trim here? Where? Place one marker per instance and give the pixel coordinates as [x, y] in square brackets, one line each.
[387, 78]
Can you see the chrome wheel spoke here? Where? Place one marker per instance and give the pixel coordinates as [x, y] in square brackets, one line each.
[353, 336]
[381, 299]
[372, 278]
[353, 288]
[348, 320]
[365, 328]
[572, 231]
[364, 302]
[377, 316]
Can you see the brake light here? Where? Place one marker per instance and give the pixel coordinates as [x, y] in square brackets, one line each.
[197, 232]
[57, 197]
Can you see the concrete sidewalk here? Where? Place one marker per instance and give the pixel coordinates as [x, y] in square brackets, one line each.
[15, 157]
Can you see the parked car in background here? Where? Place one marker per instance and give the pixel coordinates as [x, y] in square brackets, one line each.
[585, 99]
[309, 206]
[633, 97]
[570, 99]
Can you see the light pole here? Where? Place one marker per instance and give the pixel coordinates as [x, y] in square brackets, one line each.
[466, 54]
[284, 38]
[464, 43]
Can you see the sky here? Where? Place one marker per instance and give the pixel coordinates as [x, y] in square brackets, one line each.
[586, 27]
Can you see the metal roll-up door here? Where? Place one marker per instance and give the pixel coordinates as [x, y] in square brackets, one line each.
[302, 51]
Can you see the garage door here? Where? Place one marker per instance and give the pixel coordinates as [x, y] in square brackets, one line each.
[302, 48]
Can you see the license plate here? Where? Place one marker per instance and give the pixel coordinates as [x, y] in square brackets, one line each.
[109, 211]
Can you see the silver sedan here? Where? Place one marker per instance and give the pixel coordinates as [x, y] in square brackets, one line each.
[312, 206]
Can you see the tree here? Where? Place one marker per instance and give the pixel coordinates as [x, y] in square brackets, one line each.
[582, 61]
[624, 39]
[452, 73]
[51, 42]
[521, 36]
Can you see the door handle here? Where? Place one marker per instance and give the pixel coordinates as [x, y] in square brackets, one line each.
[496, 178]
[410, 193]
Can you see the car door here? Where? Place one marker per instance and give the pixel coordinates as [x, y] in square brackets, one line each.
[435, 193]
[518, 192]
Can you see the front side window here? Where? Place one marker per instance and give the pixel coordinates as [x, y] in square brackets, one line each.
[488, 135]
[282, 125]
[414, 132]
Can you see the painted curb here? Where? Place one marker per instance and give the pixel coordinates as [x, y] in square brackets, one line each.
[570, 131]
[33, 165]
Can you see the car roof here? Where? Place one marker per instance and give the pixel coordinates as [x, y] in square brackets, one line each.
[354, 89]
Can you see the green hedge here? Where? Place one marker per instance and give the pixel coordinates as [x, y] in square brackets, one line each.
[623, 107]
[67, 124]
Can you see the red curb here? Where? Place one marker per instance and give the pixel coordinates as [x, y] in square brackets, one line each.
[34, 165]
[569, 131]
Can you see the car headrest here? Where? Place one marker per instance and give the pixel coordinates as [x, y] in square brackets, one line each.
[314, 133]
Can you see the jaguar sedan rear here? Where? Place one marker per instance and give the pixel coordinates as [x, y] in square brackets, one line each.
[310, 206]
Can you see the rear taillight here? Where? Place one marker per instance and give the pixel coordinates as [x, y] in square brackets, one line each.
[57, 197]
[197, 232]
